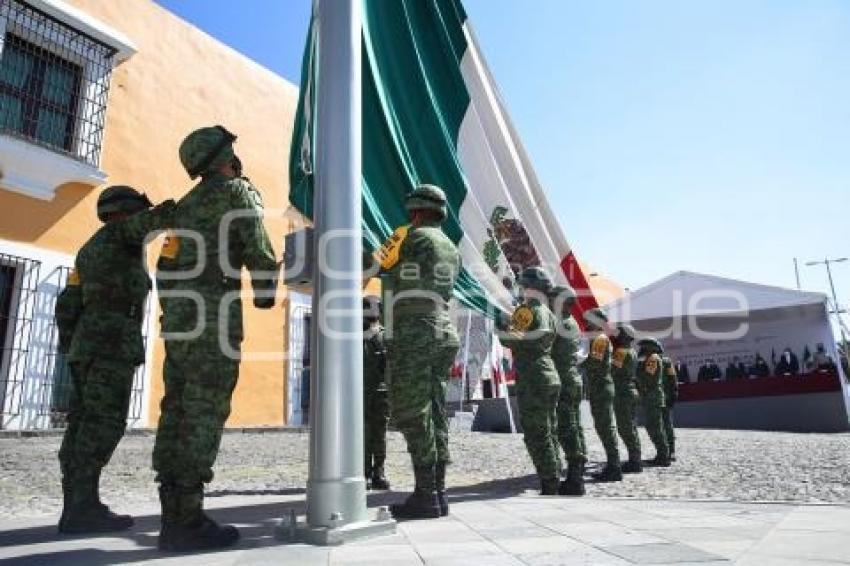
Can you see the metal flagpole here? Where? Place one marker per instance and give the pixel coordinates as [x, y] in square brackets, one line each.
[336, 488]
[797, 273]
[465, 373]
[503, 386]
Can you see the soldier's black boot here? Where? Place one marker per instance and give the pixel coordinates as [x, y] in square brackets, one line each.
[169, 502]
[661, 461]
[574, 484]
[423, 502]
[549, 486]
[83, 513]
[611, 472]
[440, 484]
[185, 527]
[634, 465]
[673, 451]
[67, 500]
[126, 519]
[377, 477]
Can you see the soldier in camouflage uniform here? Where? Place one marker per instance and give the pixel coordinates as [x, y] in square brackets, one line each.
[530, 335]
[99, 315]
[600, 386]
[565, 352]
[650, 387]
[624, 366]
[376, 407]
[199, 277]
[671, 393]
[420, 265]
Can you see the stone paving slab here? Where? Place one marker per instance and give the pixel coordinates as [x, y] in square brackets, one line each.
[509, 530]
[663, 553]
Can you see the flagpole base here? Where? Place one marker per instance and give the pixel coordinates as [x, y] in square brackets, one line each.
[294, 530]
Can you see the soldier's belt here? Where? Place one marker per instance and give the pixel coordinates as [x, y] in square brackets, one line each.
[206, 282]
[427, 307]
[214, 278]
[129, 309]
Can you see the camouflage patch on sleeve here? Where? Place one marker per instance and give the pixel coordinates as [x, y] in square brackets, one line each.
[170, 246]
[522, 319]
[390, 251]
[619, 357]
[599, 347]
[651, 364]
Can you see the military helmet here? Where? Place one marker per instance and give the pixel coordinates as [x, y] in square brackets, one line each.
[371, 308]
[625, 332]
[564, 292]
[595, 315]
[121, 198]
[427, 197]
[652, 345]
[535, 278]
[206, 148]
[595, 319]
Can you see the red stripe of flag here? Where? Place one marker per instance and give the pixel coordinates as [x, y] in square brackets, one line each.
[585, 300]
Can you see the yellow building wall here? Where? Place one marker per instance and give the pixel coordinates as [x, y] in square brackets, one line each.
[180, 79]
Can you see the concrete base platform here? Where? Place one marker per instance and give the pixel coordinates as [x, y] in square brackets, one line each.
[381, 523]
[486, 529]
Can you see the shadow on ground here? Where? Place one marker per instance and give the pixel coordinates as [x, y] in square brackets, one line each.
[257, 524]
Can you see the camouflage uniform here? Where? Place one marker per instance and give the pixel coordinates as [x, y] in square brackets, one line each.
[418, 276]
[649, 376]
[671, 393]
[597, 366]
[100, 315]
[376, 408]
[565, 355]
[538, 387]
[565, 350]
[626, 399]
[200, 374]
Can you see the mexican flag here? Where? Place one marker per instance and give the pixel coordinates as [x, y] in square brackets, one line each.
[432, 114]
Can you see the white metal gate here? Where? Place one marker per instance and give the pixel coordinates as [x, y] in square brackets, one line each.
[298, 359]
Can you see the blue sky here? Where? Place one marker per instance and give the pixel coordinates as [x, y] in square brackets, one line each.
[709, 135]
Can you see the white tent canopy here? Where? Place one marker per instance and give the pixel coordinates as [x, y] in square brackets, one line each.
[704, 319]
[684, 293]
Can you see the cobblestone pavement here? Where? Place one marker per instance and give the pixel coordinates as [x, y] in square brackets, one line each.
[713, 464]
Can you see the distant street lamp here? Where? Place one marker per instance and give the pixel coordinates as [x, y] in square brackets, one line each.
[797, 273]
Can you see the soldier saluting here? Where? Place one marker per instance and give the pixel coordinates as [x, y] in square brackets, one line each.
[651, 388]
[671, 395]
[600, 387]
[100, 315]
[565, 353]
[220, 231]
[376, 409]
[530, 335]
[626, 396]
[420, 265]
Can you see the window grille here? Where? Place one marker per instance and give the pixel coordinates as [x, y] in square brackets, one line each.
[57, 387]
[18, 284]
[54, 82]
[34, 376]
[299, 364]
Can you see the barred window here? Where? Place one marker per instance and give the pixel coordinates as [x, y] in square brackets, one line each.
[54, 82]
